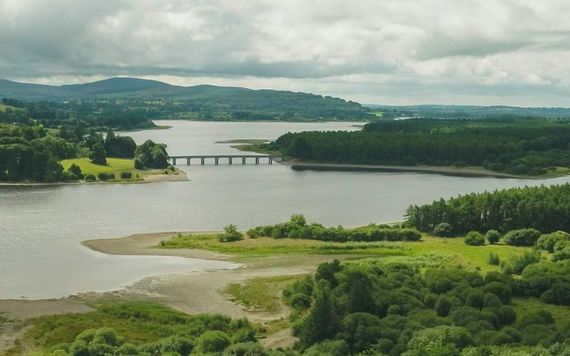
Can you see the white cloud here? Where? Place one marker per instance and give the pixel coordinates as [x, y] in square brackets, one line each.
[390, 51]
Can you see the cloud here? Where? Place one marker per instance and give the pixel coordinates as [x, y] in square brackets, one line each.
[402, 51]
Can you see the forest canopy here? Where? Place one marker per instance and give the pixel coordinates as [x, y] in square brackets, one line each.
[515, 146]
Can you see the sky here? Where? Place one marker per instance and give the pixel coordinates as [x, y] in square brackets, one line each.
[398, 52]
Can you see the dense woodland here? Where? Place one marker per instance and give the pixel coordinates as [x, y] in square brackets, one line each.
[516, 146]
[546, 209]
[397, 309]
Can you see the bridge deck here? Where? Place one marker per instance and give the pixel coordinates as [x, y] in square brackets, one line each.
[229, 158]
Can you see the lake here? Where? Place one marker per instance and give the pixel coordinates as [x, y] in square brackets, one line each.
[41, 227]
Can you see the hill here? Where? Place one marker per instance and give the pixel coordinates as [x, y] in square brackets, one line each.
[194, 102]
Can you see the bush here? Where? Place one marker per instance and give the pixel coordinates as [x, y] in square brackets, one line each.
[90, 178]
[213, 341]
[548, 241]
[493, 259]
[103, 176]
[126, 175]
[474, 238]
[76, 170]
[443, 230]
[521, 237]
[230, 234]
[492, 237]
[558, 294]
[517, 264]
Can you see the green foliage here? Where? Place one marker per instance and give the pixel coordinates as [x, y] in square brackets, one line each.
[213, 341]
[521, 237]
[443, 230]
[28, 152]
[137, 328]
[76, 170]
[151, 155]
[474, 238]
[126, 175]
[493, 259]
[119, 146]
[97, 155]
[541, 208]
[297, 228]
[230, 234]
[90, 178]
[515, 146]
[548, 241]
[493, 236]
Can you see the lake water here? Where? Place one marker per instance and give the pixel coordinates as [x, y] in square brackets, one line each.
[41, 227]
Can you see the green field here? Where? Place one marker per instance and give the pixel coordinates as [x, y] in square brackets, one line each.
[114, 165]
[452, 251]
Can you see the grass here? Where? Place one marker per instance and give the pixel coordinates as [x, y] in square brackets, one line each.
[431, 249]
[257, 148]
[265, 246]
[114, 165]
[139, 322]
[260, 294]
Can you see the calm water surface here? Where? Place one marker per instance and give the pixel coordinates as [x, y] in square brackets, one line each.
[41, 227]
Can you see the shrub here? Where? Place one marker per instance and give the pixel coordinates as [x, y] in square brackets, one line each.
[90, 178]
[245, 349]
[68, 176]
[474, 238]
[517, 264]
[548, 241]
[76, 170]
[443, 230]
[493, 259]
[230, 234]
[558, 294]
[492, 237]
[103, 176]
[213, 341]
[521, 237]
[126, 175]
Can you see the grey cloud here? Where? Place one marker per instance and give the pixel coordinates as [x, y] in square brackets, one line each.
[412, 50]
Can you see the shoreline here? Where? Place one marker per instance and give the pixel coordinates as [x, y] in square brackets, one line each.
[179, 176]
[447, 171]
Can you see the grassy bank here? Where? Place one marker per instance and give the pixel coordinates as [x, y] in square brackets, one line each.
[116, 166]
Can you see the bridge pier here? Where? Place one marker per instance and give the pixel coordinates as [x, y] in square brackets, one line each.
[188, 161]
[216, 161]
[174, 161]
[243, 160]
[256, 160]
[202, 161]
[270, 160]
[230, 160]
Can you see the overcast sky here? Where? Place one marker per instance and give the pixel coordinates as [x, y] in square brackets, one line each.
[372, 51]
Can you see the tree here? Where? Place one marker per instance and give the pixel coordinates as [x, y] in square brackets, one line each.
[76, 170]
[321, 322]
[213, 341]
[151, 155]
[443, 230]
[98, 154]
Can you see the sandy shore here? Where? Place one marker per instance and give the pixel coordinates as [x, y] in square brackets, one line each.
[193, 292]
[200, 292]
[179, 176]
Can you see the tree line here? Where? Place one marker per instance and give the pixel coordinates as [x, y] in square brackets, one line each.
[516, 146]
[546, 209]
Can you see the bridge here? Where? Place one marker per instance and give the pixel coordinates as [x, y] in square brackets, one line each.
[229, 159]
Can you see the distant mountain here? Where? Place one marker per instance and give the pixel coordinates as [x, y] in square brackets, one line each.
[206, 102]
